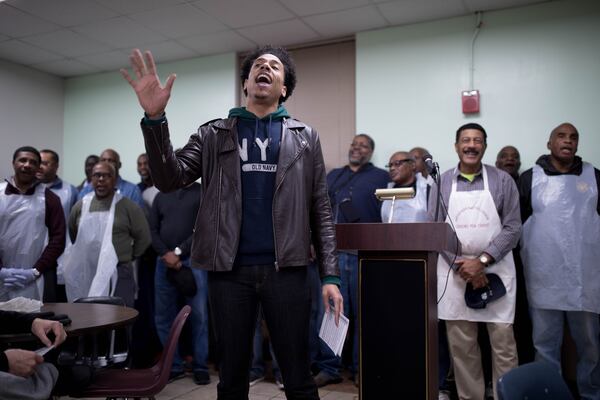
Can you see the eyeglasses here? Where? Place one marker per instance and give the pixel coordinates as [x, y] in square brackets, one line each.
[100, 175]
[398, 163]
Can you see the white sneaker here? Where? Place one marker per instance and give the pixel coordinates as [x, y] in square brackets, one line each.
[255, 379]
[443, 395]
[279, 383]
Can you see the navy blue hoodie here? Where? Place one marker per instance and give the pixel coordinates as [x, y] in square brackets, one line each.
[259, 140]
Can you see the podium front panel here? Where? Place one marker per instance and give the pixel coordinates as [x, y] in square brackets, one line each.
[398, 341]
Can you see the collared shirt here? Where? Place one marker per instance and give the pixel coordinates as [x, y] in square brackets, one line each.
[125, 188]
[56, 186]
[506, 198]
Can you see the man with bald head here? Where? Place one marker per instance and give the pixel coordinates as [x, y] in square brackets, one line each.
[509, 160]
[109, 232]
[560, 252]
[125, 188]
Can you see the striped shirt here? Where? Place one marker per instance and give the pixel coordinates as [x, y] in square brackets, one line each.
[506, 198]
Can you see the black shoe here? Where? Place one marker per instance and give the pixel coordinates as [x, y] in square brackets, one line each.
[323, 379]
[201, 378]
[175, 375]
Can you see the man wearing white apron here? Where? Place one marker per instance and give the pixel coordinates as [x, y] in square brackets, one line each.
[560, 249]
[403, 174]
[109, 232]
[29, 213]
[483, 206]
[54, 289]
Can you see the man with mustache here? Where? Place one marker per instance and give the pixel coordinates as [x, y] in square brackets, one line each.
[29, 213]
[560, 252]
[483, 207]
[264, 201]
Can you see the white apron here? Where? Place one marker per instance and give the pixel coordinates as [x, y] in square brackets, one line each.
[65, 196]
[560, 244]
[477, 223]
[22, 237]
[90, 264]
[409, 210]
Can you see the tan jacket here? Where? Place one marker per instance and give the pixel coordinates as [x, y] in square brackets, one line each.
[300, 202]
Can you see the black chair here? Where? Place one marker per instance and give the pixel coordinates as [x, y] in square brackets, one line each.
[107, 348]
[534, 381]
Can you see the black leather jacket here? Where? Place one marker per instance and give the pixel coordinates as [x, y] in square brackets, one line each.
[300, 202]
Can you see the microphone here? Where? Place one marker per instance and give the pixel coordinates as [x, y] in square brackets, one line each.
[428, 160]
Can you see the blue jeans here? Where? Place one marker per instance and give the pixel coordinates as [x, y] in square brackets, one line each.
[321, 355]
[585, 330]
[166, 296]
[349, 275]
[258, 360]
[284, 296]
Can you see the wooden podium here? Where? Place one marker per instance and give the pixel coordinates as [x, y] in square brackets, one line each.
[397, 302]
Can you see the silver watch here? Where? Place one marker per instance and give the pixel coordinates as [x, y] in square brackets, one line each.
[484, 259]
[177, 251]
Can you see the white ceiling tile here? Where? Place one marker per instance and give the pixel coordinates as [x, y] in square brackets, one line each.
[65, 12]
[346, 22]
[247, 13]
[136, 6]
[412, 11]
[169, 51]
[16, 23]
[113, 60]
[179, 21]
[120, 32]
[67, 43]
[24, 53]
[280, 33]
[220, 42]
[486, 5]
[311, 7]
[65, 68]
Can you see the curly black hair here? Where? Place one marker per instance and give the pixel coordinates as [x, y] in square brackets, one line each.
[288, 66]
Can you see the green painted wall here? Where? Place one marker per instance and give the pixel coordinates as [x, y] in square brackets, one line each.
[535, 67]
[102, 111]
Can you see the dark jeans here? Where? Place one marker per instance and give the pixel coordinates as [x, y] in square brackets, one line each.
[285, 299]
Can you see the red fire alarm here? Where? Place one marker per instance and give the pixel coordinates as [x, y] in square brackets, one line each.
[470, 101]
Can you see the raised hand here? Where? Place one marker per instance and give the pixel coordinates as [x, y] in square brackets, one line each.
[152, 95]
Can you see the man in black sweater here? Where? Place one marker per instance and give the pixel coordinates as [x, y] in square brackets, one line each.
[171, 224]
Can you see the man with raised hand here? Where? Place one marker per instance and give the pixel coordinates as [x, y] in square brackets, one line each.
[264, 195]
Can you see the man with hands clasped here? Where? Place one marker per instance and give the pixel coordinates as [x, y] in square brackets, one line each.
[483, 207]
[32, 229]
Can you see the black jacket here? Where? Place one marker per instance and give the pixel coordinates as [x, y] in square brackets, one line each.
[301, 206]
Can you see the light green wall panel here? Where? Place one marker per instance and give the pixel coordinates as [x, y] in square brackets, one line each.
[102, 111]
[535, 67]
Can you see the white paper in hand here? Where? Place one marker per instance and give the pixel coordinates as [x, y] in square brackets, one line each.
[334, 336]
